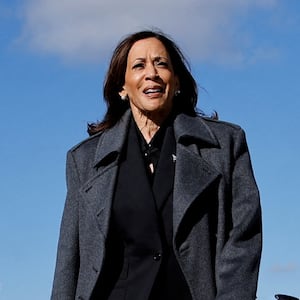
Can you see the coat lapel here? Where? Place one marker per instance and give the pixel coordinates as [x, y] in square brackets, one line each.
[164, 174]
[98, 191]
[191, 135]
[193, 174]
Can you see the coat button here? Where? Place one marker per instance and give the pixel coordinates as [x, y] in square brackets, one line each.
[157, 256]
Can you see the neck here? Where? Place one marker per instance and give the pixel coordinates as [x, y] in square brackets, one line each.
[148, 123]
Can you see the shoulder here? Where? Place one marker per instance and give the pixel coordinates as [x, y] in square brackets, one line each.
[88, 144]
[82, 155]
[229, 135]
[108, 139]
[223, 130]
[205, 129]
[220, 125]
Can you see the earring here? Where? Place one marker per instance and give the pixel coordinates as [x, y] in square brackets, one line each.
[177, 93]
[124, 97]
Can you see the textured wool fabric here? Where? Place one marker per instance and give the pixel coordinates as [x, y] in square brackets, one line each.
[216, 211]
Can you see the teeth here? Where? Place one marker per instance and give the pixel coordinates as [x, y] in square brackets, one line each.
[153, 91]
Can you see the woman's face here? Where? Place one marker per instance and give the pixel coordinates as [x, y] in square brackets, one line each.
[150, 82]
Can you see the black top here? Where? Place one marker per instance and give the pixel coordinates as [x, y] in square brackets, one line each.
[140, 263]
[151, 151]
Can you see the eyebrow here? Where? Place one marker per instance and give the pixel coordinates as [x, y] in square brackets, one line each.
[156, 58]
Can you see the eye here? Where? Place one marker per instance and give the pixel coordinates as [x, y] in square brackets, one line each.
[138, 65]
[162, 63]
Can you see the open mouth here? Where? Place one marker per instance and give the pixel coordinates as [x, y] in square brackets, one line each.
[154, 90]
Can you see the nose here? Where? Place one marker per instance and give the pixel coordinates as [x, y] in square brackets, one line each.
[151, 71]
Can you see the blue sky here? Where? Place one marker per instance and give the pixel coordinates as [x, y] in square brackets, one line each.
[53, 57]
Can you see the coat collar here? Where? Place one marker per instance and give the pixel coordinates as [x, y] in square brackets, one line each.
[191, 133]
[111, 141]
[187, 129]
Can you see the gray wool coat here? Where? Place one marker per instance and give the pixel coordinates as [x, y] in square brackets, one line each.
[216, 211]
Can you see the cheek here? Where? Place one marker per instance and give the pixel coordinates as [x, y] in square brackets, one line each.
[172, 85]
[132, 83]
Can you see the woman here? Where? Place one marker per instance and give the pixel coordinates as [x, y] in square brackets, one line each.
[161, 202]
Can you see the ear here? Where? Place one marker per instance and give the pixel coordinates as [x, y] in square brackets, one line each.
[123, 93]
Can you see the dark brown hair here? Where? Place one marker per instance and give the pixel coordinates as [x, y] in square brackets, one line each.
[185, 102]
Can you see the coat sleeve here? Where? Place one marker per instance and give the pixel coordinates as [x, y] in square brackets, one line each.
[238, 265]
[67, 263]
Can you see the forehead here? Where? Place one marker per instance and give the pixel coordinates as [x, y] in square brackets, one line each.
[147, 47]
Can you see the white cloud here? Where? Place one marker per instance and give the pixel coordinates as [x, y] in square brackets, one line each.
[285, 268]
[86, 30]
